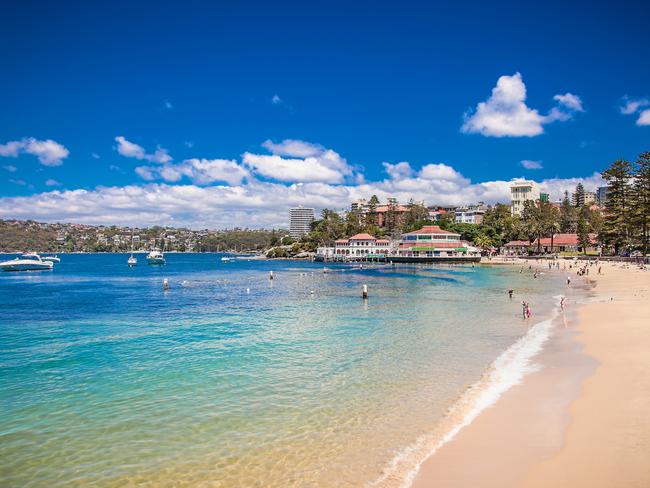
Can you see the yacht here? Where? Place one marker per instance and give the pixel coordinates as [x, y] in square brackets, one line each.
[26, 262]
[156, 257]
[132, 261]
[54, 259]
[226, 259]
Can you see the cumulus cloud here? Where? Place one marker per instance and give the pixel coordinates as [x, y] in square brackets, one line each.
[631, 106]
[257, 203]
[644, 118]
[399, 170]
[305, 163]
[199, 171]
[530, 164]
[257, 191]
[48, 152]
[571, 101]
[505, 113]
[131, 150]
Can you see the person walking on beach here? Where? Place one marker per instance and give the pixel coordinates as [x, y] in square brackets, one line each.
[529, 312]
[562, 303]
[600, 270]
[568, 281]
[510, 292]
[524, 309]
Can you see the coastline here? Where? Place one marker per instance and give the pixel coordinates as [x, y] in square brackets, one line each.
[586, 403]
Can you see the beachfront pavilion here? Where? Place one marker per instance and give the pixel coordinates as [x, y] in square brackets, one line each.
[432, 241]
[565, 243]
[516, 248]
[362, 245]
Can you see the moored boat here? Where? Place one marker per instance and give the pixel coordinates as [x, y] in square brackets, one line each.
[132, 261]
[27, 262]
[156, 257]
[54, 259]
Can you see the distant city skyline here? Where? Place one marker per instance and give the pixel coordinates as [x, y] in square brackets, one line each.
[224, 115]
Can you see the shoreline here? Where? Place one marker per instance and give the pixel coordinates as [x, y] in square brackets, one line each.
[539, 431]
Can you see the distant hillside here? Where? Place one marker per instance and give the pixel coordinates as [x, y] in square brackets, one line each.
[26, 236]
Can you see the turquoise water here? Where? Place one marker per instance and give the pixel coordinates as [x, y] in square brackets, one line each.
[107, 380]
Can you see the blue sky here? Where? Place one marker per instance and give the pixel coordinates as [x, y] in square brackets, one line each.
[348, 87]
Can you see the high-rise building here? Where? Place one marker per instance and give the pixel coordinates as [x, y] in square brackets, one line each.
[601, 195]
[522, 191]
[300, 219]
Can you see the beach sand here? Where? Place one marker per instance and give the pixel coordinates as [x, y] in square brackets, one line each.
[581, 420]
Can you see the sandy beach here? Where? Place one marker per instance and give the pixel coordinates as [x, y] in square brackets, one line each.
[580, 420]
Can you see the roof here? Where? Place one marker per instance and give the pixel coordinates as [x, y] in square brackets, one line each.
[386, 208]
[516, 243]
[564, 240]
[430, 229]
[341, 241]
[383, 241]
[362, 237]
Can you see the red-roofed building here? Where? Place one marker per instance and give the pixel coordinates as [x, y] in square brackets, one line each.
[564, 242]
[433, 242]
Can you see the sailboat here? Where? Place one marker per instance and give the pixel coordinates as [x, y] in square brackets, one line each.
[132, 261]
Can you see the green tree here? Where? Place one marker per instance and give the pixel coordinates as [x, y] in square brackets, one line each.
[579, 195]
[616, 227]
[641, 203]
[482, 241]
[567, 215]
[583, 233]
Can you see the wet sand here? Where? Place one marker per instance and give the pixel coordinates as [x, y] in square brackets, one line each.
[583, 418]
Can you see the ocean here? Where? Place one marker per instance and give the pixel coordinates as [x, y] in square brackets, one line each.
[230, 379]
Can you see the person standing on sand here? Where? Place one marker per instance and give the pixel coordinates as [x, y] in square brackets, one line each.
[524, 307]
[562, 303]
[510, 292]
[600, 270]
[529, 312]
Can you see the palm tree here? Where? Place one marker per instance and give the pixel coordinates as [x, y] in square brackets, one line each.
[553, 227]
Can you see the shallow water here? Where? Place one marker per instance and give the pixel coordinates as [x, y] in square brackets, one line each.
[107, 380]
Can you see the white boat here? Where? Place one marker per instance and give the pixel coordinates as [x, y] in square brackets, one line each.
[156, 257]
[132, 261]
[54, 259]
[226, 259]
[27, 262]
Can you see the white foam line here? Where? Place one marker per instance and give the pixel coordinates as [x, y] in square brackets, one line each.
[505, 372]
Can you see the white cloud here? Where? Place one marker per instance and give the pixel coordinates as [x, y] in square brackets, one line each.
[256, 203]
[398, 170]
[199, 171]
[571, 101]
[189, 144]
[131, 150]
[530, 164]
[633, 105]
[11, 168]
[167, 104]
[644, 118]
[18, 182]
[48, 152]
[52, 182]
[293, 148]
[95, 155]
[505, 113]
[307, 163]
[276, 100]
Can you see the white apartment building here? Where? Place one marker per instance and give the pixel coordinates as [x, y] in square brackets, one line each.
[522, 191]
[471, 214]
[300, 218]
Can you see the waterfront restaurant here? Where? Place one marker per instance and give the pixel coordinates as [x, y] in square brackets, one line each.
[361, 246]
[432, 241]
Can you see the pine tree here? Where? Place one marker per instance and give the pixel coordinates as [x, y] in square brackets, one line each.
[641, 203]
[567, 215]
[616, 228]
[579, 195]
